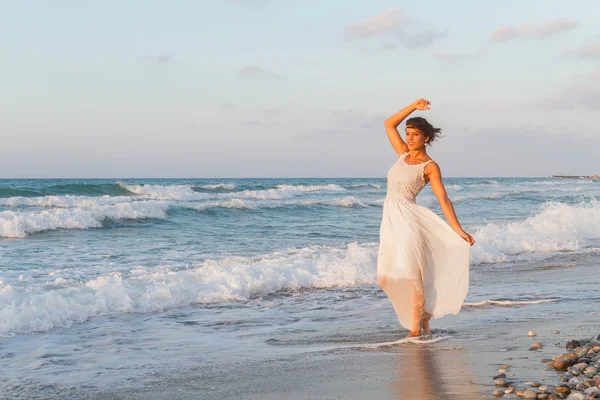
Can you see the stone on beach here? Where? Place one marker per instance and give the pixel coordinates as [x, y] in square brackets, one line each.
[531, 334]
[536, 346]
[530, 394]
[498, 393]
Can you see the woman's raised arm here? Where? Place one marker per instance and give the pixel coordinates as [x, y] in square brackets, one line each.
[391, 124]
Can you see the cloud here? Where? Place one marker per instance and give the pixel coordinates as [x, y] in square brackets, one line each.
[425, 38]
[387, 23]
[529, 31]
[254, 72]
[228, 106]
[391, 24]
[591, 51]
[582, 93]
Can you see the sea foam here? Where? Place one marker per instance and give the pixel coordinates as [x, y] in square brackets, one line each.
[142, 290]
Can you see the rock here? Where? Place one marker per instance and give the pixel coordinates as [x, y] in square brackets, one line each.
[530, 394]
[591, 390]
[580, 366]
[498, 393]
[572, 344]
[596, 349]
[520, 392]
[531, 334]
[500, 382]
[576, 396]
[563, 389]
[505, 367]
[535, 346]
[500, 376]
[581, 387]
[501, 371]
[543, 396]
[509, 390]
[590, 354]
[556, 332]
[581, 352]
[591, 370]
[589, 383]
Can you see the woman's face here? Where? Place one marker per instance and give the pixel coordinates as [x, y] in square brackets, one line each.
[415, 139]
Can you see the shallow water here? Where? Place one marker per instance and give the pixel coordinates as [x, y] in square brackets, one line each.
[107, 284]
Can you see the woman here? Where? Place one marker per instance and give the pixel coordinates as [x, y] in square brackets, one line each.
[423, 264]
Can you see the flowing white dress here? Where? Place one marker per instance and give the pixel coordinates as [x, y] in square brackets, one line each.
[419, 250]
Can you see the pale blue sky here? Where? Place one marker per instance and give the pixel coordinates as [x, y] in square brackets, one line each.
[274, 88]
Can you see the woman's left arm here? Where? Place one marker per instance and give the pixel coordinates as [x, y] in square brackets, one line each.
[434, 174]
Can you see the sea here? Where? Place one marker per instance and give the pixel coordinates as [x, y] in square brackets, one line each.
[120, 283]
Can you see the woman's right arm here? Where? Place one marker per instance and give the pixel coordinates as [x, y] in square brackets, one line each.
[391, 124]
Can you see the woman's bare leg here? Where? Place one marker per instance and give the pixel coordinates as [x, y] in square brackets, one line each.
[425, 323]
[418, 309]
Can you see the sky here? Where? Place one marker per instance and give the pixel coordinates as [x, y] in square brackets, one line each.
[283, 88]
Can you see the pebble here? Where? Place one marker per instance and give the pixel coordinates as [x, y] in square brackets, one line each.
[501, 371]
[530, 394]
[509, 390]
[556, 332]
[563, 389]
[576, 396]
[543, 396]
[498, 393]
[531, 334]
[505, 367]
[571, 344]
[500, 382]
[535, 346]
[500, 376]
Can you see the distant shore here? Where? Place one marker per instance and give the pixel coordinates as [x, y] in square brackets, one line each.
[577, 176]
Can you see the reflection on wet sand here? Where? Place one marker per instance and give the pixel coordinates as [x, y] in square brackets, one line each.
[434, 372]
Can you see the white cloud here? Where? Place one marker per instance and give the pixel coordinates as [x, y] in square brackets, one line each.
[424, 39]
[582, 93]
[530, 31]
[389, 22]
[590, 51]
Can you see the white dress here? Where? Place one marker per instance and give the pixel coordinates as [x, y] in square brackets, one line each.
[419, 250]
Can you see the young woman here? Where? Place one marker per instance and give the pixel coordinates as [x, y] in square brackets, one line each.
[423, 263]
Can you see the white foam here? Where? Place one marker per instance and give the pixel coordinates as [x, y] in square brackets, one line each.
[227, 186]
[20, 224]
[557, 227]
[506, 303]
[66, 201]
[426, 339]
[159, 192]
[348, 201]
[143, 290]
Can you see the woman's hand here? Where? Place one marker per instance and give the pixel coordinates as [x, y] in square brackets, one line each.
[422, 104]
[468, 238]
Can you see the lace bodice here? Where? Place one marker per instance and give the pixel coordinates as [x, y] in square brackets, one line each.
[405, 181]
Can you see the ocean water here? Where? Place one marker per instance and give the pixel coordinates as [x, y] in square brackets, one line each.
[102, 281]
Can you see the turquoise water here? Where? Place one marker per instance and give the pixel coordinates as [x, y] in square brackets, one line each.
[99, 269]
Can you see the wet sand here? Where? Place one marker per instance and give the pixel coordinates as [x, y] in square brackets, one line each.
[457, 368]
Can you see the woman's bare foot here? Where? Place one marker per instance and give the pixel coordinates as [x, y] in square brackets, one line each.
[413, 334]
[425, 324]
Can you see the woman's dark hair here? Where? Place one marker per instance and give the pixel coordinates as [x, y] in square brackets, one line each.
[422, 125]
